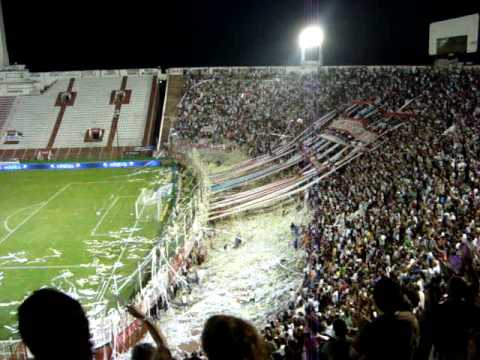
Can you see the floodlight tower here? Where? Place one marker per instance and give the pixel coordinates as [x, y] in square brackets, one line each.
[311, 38]
[4, 60]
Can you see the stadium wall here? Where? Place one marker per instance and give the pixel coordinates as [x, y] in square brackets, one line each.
[17, 80]
[46, 78]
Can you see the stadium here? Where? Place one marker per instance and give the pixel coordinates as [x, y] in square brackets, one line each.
[308, 211]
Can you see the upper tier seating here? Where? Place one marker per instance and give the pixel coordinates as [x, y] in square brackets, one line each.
[133, 116]
[91, 109]
[35, 116]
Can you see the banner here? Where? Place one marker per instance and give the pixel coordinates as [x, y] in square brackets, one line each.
[78, 166]
[355, 128]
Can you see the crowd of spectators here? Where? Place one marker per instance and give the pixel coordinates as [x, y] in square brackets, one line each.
[259, 110]
[392, 252]
[251, 109]
[408, 211]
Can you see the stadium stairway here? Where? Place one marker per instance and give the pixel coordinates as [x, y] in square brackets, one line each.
[133, 115]
[174, 94]
[61, 113]
[6, 104]
[116, 116]
[152, 113]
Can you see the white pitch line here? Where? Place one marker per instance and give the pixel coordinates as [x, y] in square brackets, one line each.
[6, 237]
[97, 182]
[102, 235]
[109, 235]
[124, 179]
[5, 222]
[103, 288]
[104, 216]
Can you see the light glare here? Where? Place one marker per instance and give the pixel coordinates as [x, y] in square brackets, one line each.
[311, 37]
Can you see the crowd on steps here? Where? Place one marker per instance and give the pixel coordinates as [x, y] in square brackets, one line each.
[408, 211]
[392, 252]
[258, 110]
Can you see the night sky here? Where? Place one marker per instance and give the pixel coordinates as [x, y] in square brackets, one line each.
[82, 35]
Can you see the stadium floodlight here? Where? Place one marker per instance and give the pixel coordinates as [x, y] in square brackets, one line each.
[311, 38]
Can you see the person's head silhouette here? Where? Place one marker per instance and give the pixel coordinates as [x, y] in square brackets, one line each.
[340, 328]
[54, 326]
[227, 337]
[387, 295]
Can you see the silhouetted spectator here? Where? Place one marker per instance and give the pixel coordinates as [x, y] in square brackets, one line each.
[340, 346]
[194, 356]
[393, 334]
[227, 337]
[237, 241]
[455, 322]
[147, 351]
[54, 326]
[144, 351]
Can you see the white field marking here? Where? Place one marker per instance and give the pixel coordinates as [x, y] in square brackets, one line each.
[5, 222]
[6, 237]
[103, 288]
[94, 233]
[142, 170]
[112, 204]
[103, 207]
[96, 182]
[46, 267]
[106, 181]
[102, 235]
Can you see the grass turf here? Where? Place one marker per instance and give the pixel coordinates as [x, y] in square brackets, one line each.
[66, 229]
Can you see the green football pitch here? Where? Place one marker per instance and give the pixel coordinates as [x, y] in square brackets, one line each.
[72, 230]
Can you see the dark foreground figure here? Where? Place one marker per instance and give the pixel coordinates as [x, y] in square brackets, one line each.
[54, 326]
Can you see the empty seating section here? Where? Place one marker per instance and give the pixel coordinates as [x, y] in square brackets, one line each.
[6, 103]
[92, 109]
[133, 116]
[34, 116]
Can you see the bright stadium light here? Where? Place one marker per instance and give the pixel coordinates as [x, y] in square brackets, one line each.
[311, 38]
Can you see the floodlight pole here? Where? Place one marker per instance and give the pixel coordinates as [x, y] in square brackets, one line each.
[311, 38]
[4, 58]
[319, 61]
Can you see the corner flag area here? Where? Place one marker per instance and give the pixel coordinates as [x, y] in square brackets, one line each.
[73, 230]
